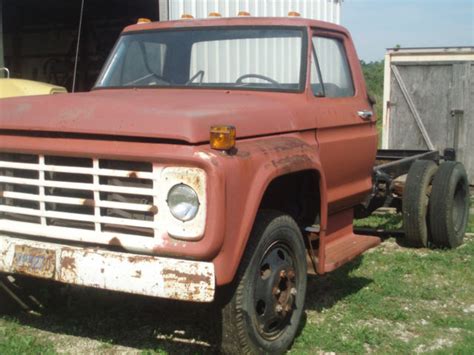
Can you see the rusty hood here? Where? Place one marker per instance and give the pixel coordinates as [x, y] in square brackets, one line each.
[175, 114]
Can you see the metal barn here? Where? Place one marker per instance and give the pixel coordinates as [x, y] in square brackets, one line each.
[429, 101]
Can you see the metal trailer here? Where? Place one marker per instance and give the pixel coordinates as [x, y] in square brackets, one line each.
[429, 101]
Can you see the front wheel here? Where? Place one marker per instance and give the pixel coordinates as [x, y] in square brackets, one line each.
[264, 314]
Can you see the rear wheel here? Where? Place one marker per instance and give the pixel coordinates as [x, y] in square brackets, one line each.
[415, 202]
[449, 205]
[265, 311]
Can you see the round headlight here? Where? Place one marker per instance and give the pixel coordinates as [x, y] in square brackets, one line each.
[183, 202]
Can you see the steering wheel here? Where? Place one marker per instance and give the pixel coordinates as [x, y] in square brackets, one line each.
[200, 73]
[159, 77]
[256, 76]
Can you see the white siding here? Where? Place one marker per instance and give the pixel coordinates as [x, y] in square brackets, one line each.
[325, 10]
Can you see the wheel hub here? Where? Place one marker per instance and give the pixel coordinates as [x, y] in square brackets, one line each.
[284, 292]
[275, 291]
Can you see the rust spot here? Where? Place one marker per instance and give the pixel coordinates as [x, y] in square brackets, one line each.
[153, 209]
[102, 270]
[138, 274]
[88, 202]
[138, 258]
[170, 274]
[115, 241]
[292, 162]
[283, 144]
[1, 193]
[133, 175]
[68, 263]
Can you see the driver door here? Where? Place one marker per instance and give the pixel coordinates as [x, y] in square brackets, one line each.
[346, 131]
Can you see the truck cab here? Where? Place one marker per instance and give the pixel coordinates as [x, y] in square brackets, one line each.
[211, 155]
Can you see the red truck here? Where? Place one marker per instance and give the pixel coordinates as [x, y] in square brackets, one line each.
[215, 160]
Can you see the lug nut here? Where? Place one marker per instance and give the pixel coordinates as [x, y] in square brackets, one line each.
[282, 273]
[276, 291]
[291, 275]
[278, 308]
[293, 291]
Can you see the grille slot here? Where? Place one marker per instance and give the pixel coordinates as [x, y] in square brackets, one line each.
[101, 195]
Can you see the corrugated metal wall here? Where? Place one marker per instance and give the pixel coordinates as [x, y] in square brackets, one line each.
[325, 10]
[253, 52]
[226, 61]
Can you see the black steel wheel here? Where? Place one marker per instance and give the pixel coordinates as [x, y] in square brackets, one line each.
[264, 313]
[449, 205]
[416, 196]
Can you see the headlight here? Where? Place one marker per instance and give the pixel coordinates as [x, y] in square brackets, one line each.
[183, 202]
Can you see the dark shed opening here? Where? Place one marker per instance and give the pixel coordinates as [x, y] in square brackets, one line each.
[40, 37]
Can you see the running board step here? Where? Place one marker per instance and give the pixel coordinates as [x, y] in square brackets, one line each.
[347, 248]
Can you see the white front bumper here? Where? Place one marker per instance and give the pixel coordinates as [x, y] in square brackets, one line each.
[132, 273]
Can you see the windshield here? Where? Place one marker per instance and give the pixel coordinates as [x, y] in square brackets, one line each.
[260, 58]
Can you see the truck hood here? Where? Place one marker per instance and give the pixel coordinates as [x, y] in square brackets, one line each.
[175, 114]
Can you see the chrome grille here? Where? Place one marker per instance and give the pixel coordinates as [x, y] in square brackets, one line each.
[78, 198]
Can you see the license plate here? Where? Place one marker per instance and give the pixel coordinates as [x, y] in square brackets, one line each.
[34, 261]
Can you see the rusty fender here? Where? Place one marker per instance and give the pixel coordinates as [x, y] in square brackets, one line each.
[256, 163]
[138, 274]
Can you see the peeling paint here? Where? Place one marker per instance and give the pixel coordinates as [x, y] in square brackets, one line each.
[138, 274]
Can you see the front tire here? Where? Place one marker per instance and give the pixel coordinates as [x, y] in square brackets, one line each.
[265, 311]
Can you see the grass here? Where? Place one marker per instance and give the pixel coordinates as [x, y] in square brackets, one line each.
[390, 300]
[394, 300]
[14, 340]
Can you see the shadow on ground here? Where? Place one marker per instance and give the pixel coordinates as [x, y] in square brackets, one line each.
[145, 323]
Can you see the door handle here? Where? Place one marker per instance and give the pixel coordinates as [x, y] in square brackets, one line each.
[365, 114]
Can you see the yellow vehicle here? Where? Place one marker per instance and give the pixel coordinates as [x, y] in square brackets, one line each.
[20, 87]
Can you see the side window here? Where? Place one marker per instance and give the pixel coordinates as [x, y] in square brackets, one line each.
[334, 67]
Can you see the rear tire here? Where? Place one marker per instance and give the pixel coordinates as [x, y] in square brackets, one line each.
[415, 202]
[449, 205]
[265, 311]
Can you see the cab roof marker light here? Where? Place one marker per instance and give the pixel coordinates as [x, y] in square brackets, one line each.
[244, 13]
[143, 20]
[294, 14]
[187, 17]
[214, 14]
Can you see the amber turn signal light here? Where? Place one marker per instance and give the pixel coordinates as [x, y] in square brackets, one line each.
[222, 137]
